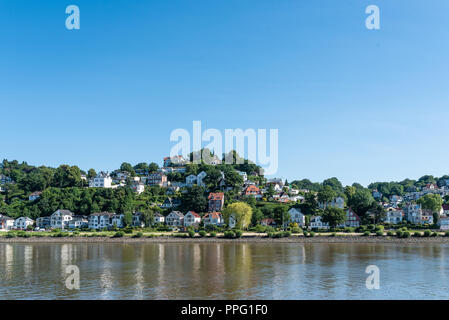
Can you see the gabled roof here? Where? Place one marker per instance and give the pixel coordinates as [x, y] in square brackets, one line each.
[178, 213]
[216, 196]
[64, 212]
[196, 215]
[213, 215]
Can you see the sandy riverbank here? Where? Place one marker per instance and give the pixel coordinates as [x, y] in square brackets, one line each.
[245, 239]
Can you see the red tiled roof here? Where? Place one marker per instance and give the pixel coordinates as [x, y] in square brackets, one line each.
[213, 215]
[216, 196]
[196, 215]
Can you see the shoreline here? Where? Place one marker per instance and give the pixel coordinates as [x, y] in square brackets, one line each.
[248, 239]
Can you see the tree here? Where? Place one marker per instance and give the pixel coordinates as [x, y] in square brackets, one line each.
[310, 205]
[241, 212]
[127, 167]
[326, 195]
[91, 173]
[66, 176]
[360, 201]
[141, 166]
[334, 216]
[378, 212]
[153, 167]
[194, 199]
[281, 215]
[335, 184]
[431, 202]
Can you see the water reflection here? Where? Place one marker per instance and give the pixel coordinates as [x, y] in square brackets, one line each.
[223, 271]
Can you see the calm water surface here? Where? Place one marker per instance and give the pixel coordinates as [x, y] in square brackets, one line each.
[223, 271]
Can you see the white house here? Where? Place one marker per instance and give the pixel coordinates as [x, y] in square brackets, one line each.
[243, 174]
[158, 218]
[6, 223]
[138, 187]
[60, 219]
[317, 223]
[413, 213]
[191, 218]
[175, 219]
[296, 216]
[394, 216]
[102, 180]
[23, 223]
[35, 195]
[78, 222]
[213, 219]
[43, 222]
[100, 220]
[138, 220]
[443, 223]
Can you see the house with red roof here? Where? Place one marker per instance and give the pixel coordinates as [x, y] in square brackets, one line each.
[191, 218]
[216, 201]
[213, 219]
[252, 190]
[268, 222]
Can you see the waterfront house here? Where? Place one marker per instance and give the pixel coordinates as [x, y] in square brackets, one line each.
[6, 223]
[446, 209]
[443, 223]
[34, 196]
[352, 220]
[316, 222]
[216, 201]
[296, 216]
[213, 219]
[393, 215]
[158, 218]
[102, 180]
[138, 220]
[60, 219]
[268, 222]
[192, 218]
[23, 223]
[100, 220]
[43, 222]
[175, 219]
[413, 213]
[78, 222]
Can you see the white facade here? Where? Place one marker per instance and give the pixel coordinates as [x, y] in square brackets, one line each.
[393, 216]
[296, 216]
[78, 222]
[103, 220]
[6, 223]
[443, 223]
[191, 218]
[102, 180]
[317, 222]
[23, 223]
[158, 218]
[60, 219]
[175, 219]
[213, 219]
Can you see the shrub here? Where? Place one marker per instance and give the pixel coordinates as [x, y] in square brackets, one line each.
[379, 228]
[287, 234]
[138, 235]
[238, 233]
[399, 233]
[229, 234]
[379, 233]
[390, 233]
[406, 234]
[305, 233]
[213, 234]
[333, 234]
[366, 233]
[11, 234]
[427, 233]
[434, 234]
[202, 233]
[417, 234]
[312, 234]
[446, 234]
[119, 234]
[128, 230]
[296, 230]
[191, 233]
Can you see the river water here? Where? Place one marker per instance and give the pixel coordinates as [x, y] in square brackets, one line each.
[223, 270]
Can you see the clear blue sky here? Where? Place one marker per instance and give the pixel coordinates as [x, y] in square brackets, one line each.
[349, 102]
